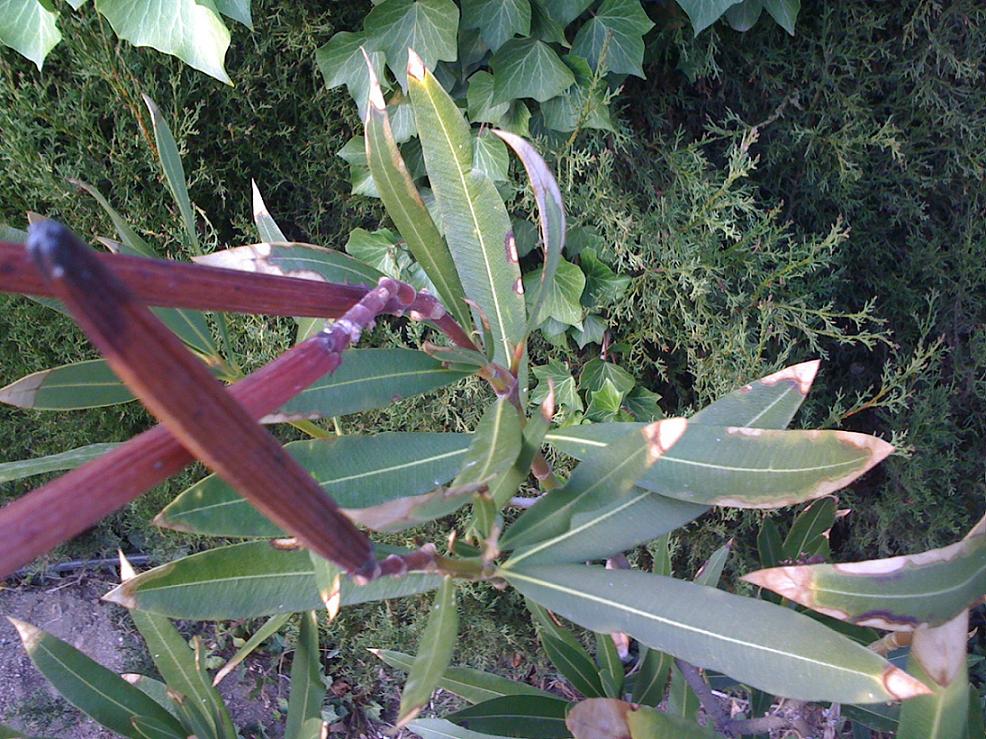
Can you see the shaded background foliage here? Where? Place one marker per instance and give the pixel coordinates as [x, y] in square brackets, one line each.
[864, 180]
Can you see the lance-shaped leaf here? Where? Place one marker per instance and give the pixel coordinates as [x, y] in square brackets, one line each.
[149, 728]
[651, 678]
[768, 403]
[647, 723]
[307, 688]
[406, 208]
[180, 391]
[87, 685]
[305, 261]
[434, 652]
[632, 516]
[474, 219]
[494, 446]
[938, 658]
[533, 436]
[439, 728]
[182, 670]
[248, 580]
[88, 384]
[265, 632]
[899, 593]
[745, 467]
[474, 686]
[610, 666]
[358, 471]
[532, 716]
[267, 228]
[760, 644]
[367, 379]
[190, 326]
[603, 476]
[551, 214]
[53, 462]
[405, 513]
[807, 534]
[167, 149]
[566, 653]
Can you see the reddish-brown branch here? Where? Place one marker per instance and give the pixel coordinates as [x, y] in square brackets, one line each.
[200, 287]
[35, 523]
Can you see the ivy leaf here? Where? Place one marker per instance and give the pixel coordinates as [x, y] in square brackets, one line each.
[623, 23]
[584, 104]
[546, 27]
[427, 26]
[580, 238]
[642, 403]
[498, 21]
[401, 115]
[744, 16]
[529, 68]
[604, 403]
[377, 249]
[602, 285]
[354, 152]
[517, 120]
[489, 156]
[565, 11]
[562, 295]
[28, 27]
[593, 329]
[479, 100]
[566, 393]
[785, 12]
[703, 13]
[191, 30]
[342, 63]
[597, 371]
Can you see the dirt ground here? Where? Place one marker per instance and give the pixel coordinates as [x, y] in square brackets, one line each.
[71, 609]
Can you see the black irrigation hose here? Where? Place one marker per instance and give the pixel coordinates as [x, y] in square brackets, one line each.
[77, 564]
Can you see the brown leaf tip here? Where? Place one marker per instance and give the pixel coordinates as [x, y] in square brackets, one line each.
[802, 375]
[415, 66]
[662, 435]
[902, 686]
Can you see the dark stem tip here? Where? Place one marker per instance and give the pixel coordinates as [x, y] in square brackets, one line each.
[53, 247]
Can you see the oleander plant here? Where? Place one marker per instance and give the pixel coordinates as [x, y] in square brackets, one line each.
[673, 655]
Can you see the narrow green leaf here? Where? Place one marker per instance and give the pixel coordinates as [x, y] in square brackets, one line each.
[528, 68]
[566, 653]
[29, 27]
[808, 528]
[900, 593]
[438, 728]
[682, 701]
[506, 486]
[149, 728]
[614, 38]
[757, 643]
[495, 445]
[498, 21]
[357, 471]
[768, 403]
[265, 632]
[603, 476]
[610, 666]
[128, 236]
[191, 30]
[427, 26]
[743, 467]
[154, 689]
[178, 666]
[52, 463]
[368, 379]
[88, 384]
[307, 688]
[294, 260]
[531, 716]
[474, 686]
[167, 149]
[474, 219]
[267, 228]
[102, 694]
[769, 546]
[406, 208]
[248, 580]
[711, 571]
[651, 678]
[434, 652]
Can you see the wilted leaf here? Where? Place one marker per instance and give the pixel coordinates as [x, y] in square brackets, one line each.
[52, 463]
[599, 718]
